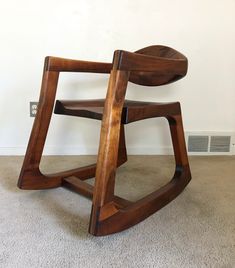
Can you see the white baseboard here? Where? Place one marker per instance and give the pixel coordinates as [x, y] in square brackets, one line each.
[82, 150]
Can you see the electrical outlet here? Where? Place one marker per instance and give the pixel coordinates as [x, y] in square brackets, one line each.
[33, 108]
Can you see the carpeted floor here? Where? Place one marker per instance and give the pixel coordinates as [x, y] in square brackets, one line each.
[49, 228]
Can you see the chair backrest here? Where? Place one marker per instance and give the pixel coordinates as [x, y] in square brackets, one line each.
[154, 65]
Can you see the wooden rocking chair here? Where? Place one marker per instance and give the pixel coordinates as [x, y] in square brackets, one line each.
[150, 66]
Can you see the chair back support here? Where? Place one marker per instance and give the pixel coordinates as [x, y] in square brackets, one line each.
[154, 65]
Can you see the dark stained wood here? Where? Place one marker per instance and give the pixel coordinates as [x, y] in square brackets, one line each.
[30, 174]
[79, 186]
[67, 65]
[132, 110]
[150, 66]
[143, 208]
[173, 66]
[87, 190]
[76, 109]
[109, 140]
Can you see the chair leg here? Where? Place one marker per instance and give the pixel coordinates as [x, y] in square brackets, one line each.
[122, 153]
[30, 175]
[107, 218]
[103, 198]
[178, 141]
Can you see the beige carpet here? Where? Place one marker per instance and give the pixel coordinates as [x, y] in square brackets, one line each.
[49, 228]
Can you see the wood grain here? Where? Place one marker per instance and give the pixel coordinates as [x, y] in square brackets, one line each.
[150, 66]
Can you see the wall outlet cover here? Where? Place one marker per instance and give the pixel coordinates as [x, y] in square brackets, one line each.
[33, 108]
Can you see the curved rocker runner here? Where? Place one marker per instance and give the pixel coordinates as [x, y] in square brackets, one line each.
[150, 66]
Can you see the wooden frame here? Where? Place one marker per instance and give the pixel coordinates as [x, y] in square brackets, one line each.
[111, 213]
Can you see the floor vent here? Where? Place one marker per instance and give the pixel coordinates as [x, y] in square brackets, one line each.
[220, 143]
[210, 144]
[198, 143]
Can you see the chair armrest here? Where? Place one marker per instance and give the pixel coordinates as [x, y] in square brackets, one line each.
[68, 65]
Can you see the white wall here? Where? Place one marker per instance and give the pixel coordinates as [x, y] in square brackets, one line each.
[91, 30]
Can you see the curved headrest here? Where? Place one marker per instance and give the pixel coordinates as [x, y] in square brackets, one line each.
[163, 75]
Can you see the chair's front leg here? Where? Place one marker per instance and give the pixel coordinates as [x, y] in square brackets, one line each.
[108, 149]
[30, 176]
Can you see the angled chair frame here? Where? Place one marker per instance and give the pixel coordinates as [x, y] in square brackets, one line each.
[110, 213]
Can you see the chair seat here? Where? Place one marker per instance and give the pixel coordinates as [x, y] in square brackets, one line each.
[132, 110]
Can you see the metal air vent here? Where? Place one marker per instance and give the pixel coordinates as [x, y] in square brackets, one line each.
[211, 143]
[198, 143]
[220, 143]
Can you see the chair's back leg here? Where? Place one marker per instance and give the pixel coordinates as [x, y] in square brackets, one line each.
[179, 146]
[122, 153]
[30, 169]
[108, 148]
